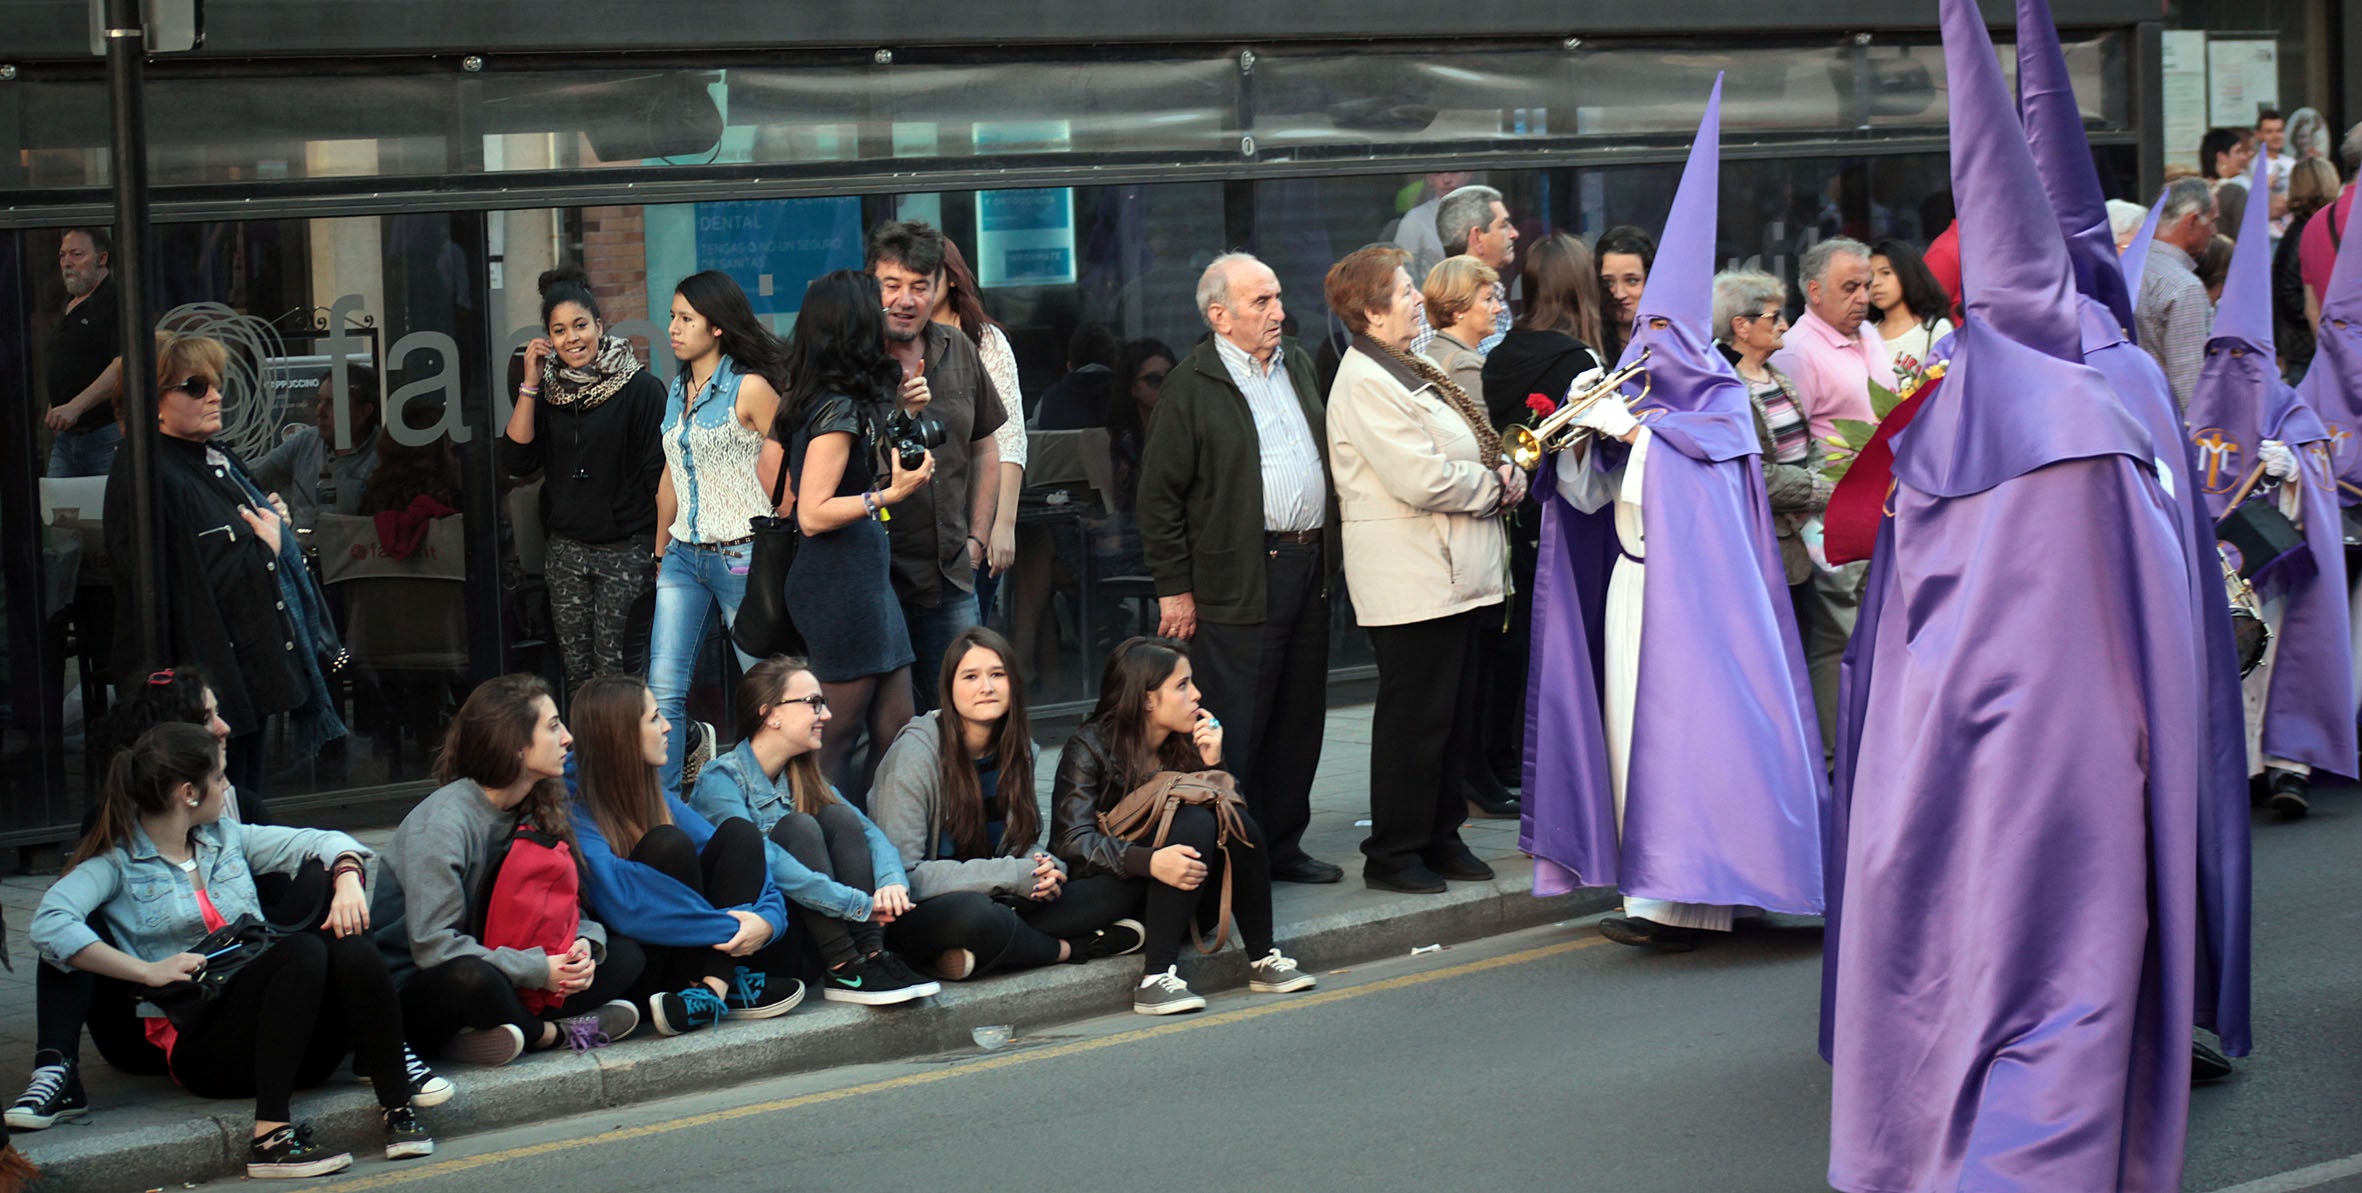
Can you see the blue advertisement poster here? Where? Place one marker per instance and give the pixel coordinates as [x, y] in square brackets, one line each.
[773, 247]
[1026, 237]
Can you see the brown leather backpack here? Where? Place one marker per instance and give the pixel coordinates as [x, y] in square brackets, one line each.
[1145, 817]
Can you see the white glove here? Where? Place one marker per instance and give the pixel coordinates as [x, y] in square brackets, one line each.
[1583, 382]
[2279, 462]
[1609, 416]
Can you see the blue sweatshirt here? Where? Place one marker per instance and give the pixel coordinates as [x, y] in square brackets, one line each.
[735, 785]
[653, 907]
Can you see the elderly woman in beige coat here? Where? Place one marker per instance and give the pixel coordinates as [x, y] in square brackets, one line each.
[1421, 489]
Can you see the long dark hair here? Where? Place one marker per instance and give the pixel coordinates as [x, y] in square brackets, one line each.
[1562, 289]
[1012, 747]
[487, 741]
[758, 693]
[169, 696]
[838, 347]
[1137, 667]
[745, 340]
[140, 780]
[959, 289]
[611, 776]
[1623, 238]
[1127, 434]
[1923, 295]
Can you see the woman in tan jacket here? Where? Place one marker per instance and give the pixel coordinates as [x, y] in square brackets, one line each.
[1421, 486]
[1461, 306]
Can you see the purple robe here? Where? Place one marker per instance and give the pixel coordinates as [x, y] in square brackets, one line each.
[2332, 385]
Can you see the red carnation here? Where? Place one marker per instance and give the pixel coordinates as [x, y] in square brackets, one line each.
[1541, 405]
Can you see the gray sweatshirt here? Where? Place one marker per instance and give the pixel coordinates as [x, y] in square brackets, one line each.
[906, 802]
[427, 880]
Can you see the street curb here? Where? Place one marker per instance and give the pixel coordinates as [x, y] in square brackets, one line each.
[211, 1142]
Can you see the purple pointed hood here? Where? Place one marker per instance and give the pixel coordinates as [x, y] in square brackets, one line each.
[2062, 154]
[1674, 321]
[2333, 383]
[2018, 395]
[2240, 399]
[2136, 251]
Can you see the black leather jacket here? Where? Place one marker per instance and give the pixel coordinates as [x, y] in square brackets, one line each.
[1088, 783]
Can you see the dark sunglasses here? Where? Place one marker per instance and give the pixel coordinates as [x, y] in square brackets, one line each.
[195, 387]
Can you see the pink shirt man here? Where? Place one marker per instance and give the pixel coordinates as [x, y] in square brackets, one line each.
[1833, 371]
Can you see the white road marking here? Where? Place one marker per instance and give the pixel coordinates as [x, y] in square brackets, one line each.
[2310, 1177]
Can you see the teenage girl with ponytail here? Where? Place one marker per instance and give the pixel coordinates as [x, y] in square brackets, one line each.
[161, 869]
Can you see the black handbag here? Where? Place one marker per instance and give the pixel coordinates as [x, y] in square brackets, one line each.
[763, 627]
[227, 950]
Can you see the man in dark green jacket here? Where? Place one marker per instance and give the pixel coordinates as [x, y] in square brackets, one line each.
[1238, 523]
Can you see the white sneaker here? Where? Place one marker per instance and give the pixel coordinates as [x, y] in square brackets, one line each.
[1277, 974]
[1166, 994]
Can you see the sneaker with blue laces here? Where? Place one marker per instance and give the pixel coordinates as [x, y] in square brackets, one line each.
[758, 995]
[692, 1009]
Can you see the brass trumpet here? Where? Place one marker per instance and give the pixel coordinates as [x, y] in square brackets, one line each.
[1527, 445]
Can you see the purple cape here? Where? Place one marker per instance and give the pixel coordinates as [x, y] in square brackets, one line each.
[2332, 385]
[1723, 796]
[2011, 1003]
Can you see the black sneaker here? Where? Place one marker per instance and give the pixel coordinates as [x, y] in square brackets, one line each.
[904, 972]
[879, 980]
[1119, 939]
[289, 1153]
[2287, 798]
[54, 1093]
[486, 1046]
[426, 1088]
[758, 995]
[404, 1138]
[694, 1008]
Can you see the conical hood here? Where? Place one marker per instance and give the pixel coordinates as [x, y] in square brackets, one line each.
[2244, 312]
[2062, 155]
[1687, 375]
[2018, 396]
[2333, 383]
[2136, 251]
[1681, 280]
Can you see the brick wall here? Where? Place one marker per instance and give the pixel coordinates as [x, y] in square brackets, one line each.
[615, 252]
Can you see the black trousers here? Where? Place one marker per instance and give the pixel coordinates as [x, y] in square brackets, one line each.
[1012, 936]
[1171, 910]
[1422, 726]
[1502, 661]
[289, 1018]
[834, 844]
[467, 992]
[1269, 682]
[729, 872]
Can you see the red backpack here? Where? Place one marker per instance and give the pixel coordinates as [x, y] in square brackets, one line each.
[532, 899]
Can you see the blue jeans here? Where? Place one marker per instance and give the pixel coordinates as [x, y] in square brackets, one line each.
[84, 453]
[987, 586]
[931, 632]
[690, 582]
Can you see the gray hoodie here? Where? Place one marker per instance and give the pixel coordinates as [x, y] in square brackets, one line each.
[907, 803]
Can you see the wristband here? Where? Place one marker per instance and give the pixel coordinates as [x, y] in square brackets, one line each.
[527, 391]
[869, 501]
[980, 543]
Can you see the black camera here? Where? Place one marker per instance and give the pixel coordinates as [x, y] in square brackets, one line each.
[913, 435]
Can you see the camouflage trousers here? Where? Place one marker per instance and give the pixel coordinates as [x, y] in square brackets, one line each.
[591, 591]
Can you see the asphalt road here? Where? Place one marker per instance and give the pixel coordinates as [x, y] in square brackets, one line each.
[1541, 1060]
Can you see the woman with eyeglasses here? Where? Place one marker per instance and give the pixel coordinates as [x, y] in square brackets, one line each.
[1908, 304]
[824, 855]
[589, 420]
[1750, 313]
[239, 601]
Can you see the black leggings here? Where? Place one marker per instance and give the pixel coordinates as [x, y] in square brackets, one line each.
[467, 992]
[288, 1020]
[1020, 936]
[65, 1001]
[834, 844]
[1171, 909]
[729, 872]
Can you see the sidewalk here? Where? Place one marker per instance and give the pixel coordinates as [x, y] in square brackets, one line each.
[143, 1133]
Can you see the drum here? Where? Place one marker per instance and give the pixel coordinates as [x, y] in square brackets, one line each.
[2248, 630]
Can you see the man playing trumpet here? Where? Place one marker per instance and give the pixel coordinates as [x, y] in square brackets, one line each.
[1674, 752]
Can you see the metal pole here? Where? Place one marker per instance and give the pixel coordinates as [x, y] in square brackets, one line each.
[126, 56]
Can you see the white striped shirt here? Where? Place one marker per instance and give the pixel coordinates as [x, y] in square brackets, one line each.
[1295, 490]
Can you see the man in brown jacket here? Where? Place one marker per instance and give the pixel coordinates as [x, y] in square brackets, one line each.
[1238, 524]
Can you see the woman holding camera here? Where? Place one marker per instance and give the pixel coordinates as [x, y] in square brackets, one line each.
[840, 593]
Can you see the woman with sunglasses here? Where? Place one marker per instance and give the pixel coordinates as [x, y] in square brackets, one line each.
[240, 603]
[824, 855]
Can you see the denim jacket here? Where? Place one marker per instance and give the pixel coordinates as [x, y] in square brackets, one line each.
[150, 907]
[735, 785]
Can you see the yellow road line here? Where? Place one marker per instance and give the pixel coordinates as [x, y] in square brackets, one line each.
[409, 1174]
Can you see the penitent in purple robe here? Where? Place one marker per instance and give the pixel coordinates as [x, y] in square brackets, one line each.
[1723, 792]
[2011, 995]
[2332, 385]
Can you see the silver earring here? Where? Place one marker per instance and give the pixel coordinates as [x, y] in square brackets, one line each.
[193, 803]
